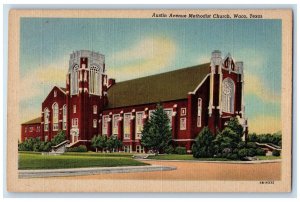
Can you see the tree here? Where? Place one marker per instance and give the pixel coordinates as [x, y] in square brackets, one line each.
[99, 142]
[157, 134]
[203, 146]
[58, 138]
[235, 126]
[227, 141]
[113, 143]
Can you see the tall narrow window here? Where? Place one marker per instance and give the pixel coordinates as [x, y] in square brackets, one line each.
[55, 116]
[139, 124]
[64, 122]
[182, 123]
[127, 117]
[95, 109]
[199, 113]
[105, 124]
[228, 96]
[75, 122]
[95, 123]
[169, 114]
[46, 119]
[116, 118]
[74, 80]
[74, 109]
[95, 80]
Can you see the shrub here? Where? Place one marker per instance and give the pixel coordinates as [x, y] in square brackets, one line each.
[80, 148]
[251, 145]
[276, 153]
[243, 153]
[180, 150]
[260, 152]
[233, 156]
[169, 150]
[251, 152]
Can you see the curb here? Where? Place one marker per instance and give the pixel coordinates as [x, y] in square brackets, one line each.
[228, 162]
[91, 171]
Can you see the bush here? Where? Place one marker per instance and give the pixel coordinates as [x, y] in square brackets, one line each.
[180, 150]
[260, 152]
[243, 153]
[169, 150]
[251, 152]
[81, 148]
[232, 156]
[276, 153]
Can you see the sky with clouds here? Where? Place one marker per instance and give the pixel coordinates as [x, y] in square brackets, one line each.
[141, 47]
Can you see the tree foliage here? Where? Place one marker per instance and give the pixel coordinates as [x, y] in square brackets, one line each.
[101, 142]
[274, 138]
[157, 134]
[203, 146]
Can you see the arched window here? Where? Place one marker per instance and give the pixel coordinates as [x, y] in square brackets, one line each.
[55, 116]
[228, 96]
[64, 123]
[95, 80]
[46, 119]
[74, 80]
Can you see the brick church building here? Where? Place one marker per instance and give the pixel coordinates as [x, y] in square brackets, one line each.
[193, 97]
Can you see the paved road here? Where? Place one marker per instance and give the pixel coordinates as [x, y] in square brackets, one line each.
[199, 171]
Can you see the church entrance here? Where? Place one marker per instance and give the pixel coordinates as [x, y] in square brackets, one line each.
[74, 132]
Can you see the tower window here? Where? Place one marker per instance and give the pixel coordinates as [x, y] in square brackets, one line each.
[74, 109]
[74, 80]
[55, 93]
[95, 81]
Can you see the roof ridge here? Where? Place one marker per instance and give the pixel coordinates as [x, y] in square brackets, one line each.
[181, 69]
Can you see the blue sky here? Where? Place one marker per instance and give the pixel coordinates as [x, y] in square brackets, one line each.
[140, 47]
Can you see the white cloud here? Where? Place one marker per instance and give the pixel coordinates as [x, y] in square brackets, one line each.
[36, 84]
[254, 86]
[150, 55]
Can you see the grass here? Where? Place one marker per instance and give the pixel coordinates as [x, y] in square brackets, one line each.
[268, 157]
[34, 160]
[190, 157]
[184, 157]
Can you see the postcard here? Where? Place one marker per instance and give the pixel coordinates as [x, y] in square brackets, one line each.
[149, 101]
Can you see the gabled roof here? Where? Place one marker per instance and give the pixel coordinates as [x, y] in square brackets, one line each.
[63, 89]
[167, 86]
[33, 121]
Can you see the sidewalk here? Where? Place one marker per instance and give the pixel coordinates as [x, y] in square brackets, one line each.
[91, 171]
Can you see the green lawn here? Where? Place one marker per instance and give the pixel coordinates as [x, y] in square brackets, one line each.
[190, 157]
[30, 160]
[268, 157]
[184, 157]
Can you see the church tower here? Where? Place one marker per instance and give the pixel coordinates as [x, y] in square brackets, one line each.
[86, 94]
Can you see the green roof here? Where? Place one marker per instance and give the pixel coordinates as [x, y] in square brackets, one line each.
[33, 121]
[163, 87]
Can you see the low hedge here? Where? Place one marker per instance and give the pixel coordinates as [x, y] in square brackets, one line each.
[81, 148]
[180, 150]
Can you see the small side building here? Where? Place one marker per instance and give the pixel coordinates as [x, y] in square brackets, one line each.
[31, 129]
